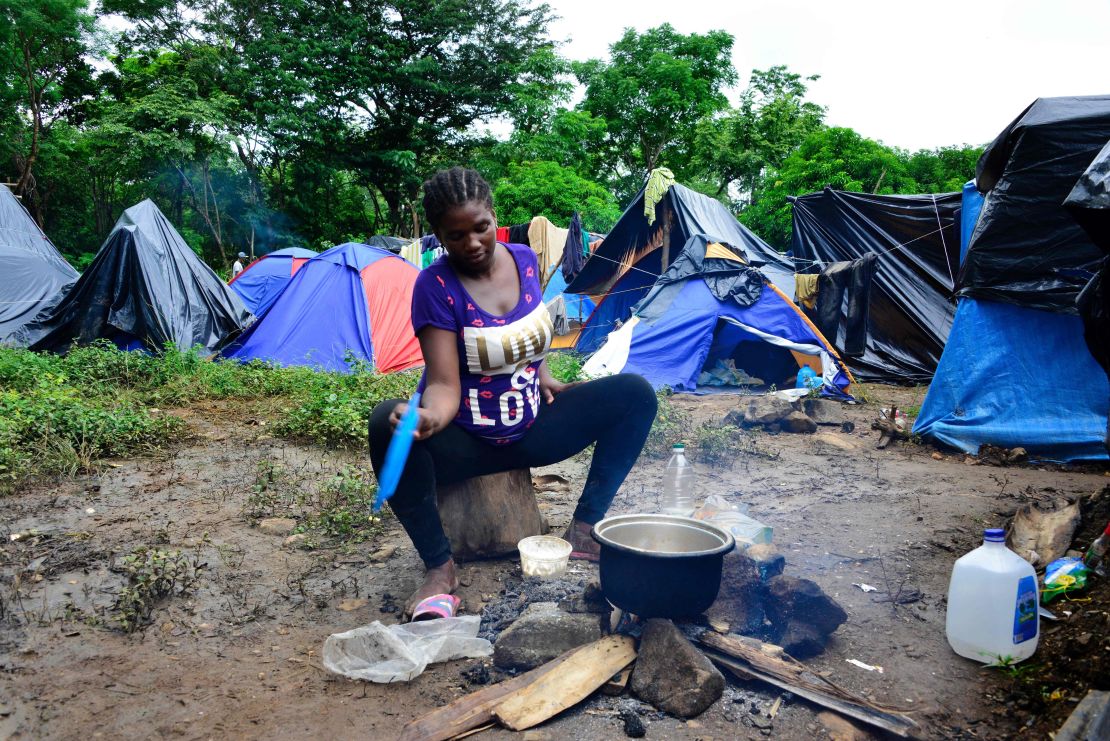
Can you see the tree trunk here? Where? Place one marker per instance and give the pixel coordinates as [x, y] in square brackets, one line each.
[487, 516]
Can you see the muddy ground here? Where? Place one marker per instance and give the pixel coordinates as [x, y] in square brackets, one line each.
[239, 656]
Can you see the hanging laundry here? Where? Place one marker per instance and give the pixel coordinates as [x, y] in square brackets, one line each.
[429, 242]
[574, 254]
[557, 309]
[503, 234]
[805, 290]
[518, 233]
[659, 182]
[854, 278]
[411, 252]
[547, 241]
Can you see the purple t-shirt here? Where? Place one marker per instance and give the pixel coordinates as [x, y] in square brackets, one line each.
[499, 356]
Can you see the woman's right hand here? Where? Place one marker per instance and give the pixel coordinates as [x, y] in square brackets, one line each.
[427, 424]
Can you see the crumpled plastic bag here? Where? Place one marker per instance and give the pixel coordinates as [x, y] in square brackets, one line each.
[747, 530]
[400, 653]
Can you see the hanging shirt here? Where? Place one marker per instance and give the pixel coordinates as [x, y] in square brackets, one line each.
[499, 356]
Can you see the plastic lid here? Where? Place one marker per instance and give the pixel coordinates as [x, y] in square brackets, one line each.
[679, 446]
[994, 535]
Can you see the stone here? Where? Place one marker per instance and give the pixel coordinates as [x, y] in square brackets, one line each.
[759, 410]
[825, 411]
[739, 601]
[542, 633]
[798, 422]
[802, 616]
[633, 726]
[767, 559]
[590, 601]
[673, 675]
[277, 525]
[295, 540]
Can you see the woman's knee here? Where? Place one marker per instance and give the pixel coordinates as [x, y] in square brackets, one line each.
[380, 430]
[639, 393]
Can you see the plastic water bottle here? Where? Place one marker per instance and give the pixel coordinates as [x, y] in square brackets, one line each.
[678, 484]
[993, 601]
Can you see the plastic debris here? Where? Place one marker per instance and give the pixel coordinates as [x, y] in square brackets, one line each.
[865, 587]
[868, 667]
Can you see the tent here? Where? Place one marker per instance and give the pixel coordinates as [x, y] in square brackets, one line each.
[261, 281]
[711, 306]
[916, 240]
[35, 275]
[352, 302]
[145, 288]
[1016, 370]
[680, 214]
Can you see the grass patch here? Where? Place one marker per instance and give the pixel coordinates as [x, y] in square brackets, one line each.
[565, 366]
[153, 575]
[60, 415]
[671, 425]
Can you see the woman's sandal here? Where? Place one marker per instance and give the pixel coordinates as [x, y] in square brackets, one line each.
[436, 606]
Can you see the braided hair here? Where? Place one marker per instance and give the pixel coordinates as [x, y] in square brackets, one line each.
[450, 188]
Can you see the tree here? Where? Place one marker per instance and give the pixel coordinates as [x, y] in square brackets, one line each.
[43, 72]
[836, 158]
[943, 170]
[549, 189]
[736, 148]
[652, 93]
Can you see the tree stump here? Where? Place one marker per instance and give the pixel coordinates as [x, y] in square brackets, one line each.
[486, 516]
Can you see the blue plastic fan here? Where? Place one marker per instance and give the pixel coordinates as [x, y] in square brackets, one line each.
[398, 453]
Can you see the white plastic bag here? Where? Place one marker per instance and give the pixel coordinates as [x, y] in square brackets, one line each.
[747, 531]
[399, 653]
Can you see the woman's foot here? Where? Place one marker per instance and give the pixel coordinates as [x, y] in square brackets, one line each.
[438, 580]
[582, 545]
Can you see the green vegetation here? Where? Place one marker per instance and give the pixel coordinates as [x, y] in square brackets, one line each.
[672, 425]
[565, 366]
[152, 575]
[60, 415]
[310, 124]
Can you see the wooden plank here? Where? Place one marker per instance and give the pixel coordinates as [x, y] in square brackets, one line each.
[618, 683]
[568, 684]
[1089, 720]
[749, 658]
[899, 725]
[470, 711]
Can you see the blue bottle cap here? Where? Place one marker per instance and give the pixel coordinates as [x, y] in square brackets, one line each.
[994, 535]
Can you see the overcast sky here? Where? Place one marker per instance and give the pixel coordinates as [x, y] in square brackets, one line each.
[911, 74]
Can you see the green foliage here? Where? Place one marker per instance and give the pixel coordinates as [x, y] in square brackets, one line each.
[152, 575]
[671, 426]
[551, 190]
[341, 507]
[652, 92]
[565, 366]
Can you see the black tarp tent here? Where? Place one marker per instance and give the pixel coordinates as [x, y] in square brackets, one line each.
[33, 274]
[1089, 204]
[145, 287]
[633, 241]
[1026, 248]
[911, 304]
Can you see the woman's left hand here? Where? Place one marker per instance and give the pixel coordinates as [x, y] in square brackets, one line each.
[550, 388]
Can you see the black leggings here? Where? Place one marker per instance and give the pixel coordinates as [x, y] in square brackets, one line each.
[615, 413]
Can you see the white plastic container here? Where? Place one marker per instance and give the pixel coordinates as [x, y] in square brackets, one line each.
[678, 484]
[993, 604]
[544, 556]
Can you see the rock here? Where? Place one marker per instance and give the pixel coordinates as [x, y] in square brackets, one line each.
[767, 559]
[541, 633]
[1040, 536]
[633, 726]
[802, 616]
[294, 540]
[590, 601]
[798, 422]
[840, 728]
[759, 410]
[739, 602]
[673, 675]
[277, 525]
[825, 411]
[384, 553]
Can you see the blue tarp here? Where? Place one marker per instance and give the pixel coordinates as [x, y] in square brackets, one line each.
[971, 203]
[1012, 376]
[615, 306]
[263, 280]
[578, 307]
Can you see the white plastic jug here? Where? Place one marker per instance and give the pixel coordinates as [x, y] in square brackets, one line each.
[992, 604]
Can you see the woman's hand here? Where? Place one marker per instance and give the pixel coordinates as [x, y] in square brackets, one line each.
[428, 423]
[550, 387]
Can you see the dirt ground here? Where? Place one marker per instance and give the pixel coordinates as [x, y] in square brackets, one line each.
[239, 657]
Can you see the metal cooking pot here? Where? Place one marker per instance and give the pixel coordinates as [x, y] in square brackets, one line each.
[661, 565]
